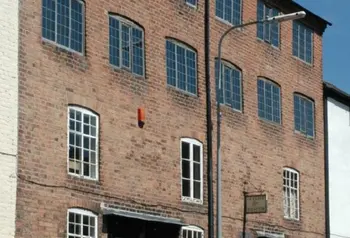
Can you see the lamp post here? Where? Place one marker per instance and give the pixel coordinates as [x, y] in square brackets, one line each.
[279, 18]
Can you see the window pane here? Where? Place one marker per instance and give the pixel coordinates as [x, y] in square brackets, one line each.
[228, 10]
[171, 63]
[308, 46]
[125, 45]
[191, 71]
[86, 169]
[260, 16]
[236, 12]
[196, 153]
[221, 96]
[186, 188]
[196, 171]
[48, 19]
[114, 42]
[137, 44]
[227, 86]
[181, 68]
[219, 8]
[295, 39]
[63, 22]
[76, 26]
[236, 89]
[185, 169]
[185, 150]
[261, 98]
[197, 190]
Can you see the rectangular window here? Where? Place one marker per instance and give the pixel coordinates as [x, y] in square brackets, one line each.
[192, 3]
[231, 85]
[302, 42]
[304, 115]
[229, 11]
[181, 67]
[192, 177]
[81, 224]
[291, 194]
[126, 45]
[269, 32]
[63, 23]
[269, 101]
[83, 143]
[192, 232]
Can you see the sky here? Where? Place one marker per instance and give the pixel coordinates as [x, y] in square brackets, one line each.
[336, 39]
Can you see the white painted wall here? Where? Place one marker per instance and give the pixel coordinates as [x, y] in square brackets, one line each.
[339, 168]
[8, 115]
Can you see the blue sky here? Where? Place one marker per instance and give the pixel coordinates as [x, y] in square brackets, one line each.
[336, 40]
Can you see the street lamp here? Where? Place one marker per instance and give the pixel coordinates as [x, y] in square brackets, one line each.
[279, 18]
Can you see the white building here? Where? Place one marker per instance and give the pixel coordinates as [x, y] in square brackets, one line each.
[8, 115]
[337, 146]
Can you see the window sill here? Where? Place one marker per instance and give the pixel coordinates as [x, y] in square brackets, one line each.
[227, 107]
[311, 138]
[116, 68]
[192, 200]
[61, 47]
[268, 44]
[269, 122]
[291, 219]
[228, 23]
[82, 177]
[303, 61]
[175, 89]
[194, 7]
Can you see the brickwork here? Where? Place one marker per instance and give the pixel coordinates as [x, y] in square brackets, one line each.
[140, 168]
[8, 115]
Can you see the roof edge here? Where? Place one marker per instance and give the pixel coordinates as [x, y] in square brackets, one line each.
[315, 22]
[331, 91]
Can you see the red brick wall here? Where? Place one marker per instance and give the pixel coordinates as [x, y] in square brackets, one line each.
[140, 168]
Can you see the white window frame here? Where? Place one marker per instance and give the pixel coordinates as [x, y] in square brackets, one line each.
[191, 5]
[88, 112]
[290, 188]
[82, 26]
[192, 229]
[192, 142]
[81, 212]
[131, 25]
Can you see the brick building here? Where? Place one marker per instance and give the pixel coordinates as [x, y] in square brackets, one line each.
[85, 168]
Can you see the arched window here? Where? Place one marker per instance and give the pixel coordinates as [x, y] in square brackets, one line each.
[231, 85]
[126, 45]
[291, 193]
[83, 142]
[304, 115]
[269, 100]
[192, 170]
[191, 232]
[81, 223]
[181, 66]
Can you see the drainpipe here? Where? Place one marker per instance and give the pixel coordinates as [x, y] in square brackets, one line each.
[209, 121]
